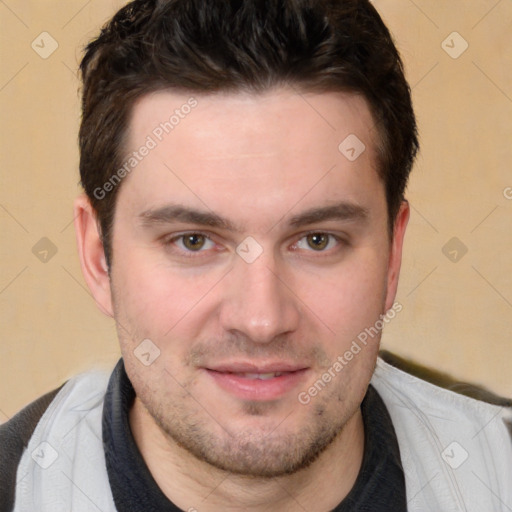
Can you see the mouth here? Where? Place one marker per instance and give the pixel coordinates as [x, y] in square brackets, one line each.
[263, 383]
[260, 376]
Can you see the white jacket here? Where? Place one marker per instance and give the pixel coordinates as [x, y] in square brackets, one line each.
[456, 451]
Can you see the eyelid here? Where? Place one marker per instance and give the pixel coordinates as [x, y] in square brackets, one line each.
[173, 236]
[169, 240]
[331, 236]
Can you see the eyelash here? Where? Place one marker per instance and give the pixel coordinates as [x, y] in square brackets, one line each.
[196, 254]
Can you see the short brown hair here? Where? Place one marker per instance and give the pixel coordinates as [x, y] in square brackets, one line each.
[200, 46]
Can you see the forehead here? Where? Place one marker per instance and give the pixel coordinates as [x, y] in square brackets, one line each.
[257, 118]
[262, 153]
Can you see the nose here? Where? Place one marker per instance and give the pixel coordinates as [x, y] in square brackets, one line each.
[258, 302]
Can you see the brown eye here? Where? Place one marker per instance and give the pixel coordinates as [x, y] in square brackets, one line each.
[194, 241]
[318, 241]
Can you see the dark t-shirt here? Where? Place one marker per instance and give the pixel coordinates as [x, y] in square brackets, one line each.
[379, 487]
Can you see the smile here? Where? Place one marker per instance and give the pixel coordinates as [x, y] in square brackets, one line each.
[261, 376]
[257, 385]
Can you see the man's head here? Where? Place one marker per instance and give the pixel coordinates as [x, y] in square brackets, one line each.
[232, 46]
[249, 241]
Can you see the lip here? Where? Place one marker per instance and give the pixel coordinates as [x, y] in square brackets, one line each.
[249, 367]
[231, 378]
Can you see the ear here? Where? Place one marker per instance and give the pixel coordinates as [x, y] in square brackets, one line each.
[395, 255]
[92, 254]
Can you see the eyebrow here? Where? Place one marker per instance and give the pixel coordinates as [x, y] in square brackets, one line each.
[177, 213]
[344, 211]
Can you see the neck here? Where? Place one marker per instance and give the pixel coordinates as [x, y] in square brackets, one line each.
[189, 482]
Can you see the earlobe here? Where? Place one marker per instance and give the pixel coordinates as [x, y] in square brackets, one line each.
[395, 256]
[92, 254]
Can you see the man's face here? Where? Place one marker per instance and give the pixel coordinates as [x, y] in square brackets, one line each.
[244, 325]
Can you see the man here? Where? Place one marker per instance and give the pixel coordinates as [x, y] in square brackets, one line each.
[244, 167]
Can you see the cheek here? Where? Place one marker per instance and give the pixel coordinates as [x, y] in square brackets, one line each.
[157, 299]
[349, 302]
[349, 299]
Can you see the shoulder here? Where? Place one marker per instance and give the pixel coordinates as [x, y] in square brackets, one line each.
[17, 432]
[443, 380]
[454, 438]
[14, 437]
[411, 389]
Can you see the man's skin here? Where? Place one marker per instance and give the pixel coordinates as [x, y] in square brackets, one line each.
[212, 440]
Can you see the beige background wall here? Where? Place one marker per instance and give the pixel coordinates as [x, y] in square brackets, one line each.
[457, 315]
